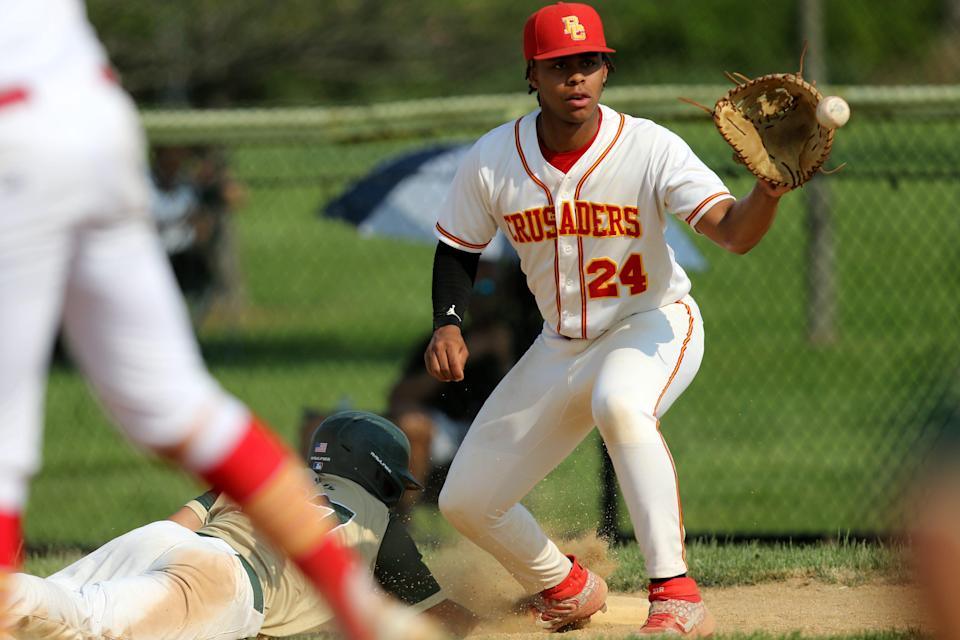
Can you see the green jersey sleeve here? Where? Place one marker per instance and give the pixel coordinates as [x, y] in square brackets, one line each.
[201, 504]
[400, 569]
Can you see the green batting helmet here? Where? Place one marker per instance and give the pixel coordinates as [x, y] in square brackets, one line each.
[365, 448]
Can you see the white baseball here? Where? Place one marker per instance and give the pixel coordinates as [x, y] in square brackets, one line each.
[833, 112]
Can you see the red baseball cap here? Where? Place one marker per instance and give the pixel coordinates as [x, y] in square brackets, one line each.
[563, 29]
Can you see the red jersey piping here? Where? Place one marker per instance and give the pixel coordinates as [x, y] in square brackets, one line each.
[576, 196]
[546, 191]
[462, 243]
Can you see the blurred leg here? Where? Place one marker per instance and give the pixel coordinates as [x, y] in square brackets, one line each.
[129, 330]
[34, 254]
[74, 222]
[934, 529]
[73, 162]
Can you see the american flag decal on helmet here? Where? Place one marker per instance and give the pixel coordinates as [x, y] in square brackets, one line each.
[320, 448]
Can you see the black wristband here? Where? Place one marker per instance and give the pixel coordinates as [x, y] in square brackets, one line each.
[453, 274]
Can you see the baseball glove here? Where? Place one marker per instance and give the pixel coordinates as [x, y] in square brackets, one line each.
[771, 123]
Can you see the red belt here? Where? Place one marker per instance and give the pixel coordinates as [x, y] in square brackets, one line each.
[13, 96]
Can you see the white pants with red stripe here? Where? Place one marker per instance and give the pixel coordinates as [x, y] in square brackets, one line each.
[161, 581]
[622, 382]
[78, 247]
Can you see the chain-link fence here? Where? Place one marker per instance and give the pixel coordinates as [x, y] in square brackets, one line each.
[831, 360]
[832, 352]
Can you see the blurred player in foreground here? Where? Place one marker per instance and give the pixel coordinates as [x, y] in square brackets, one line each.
[933, 512]
[224, 581]
[582, 191]
[77, 243]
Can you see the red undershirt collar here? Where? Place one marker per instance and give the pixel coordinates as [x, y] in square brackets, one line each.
[563, 160]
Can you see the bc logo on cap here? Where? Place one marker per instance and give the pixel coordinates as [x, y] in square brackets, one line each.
[573, 28]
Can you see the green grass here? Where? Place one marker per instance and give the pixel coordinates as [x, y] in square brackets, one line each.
[44, 564]
[717, 563]
[774, 435]
[729, 565]
[713, 564]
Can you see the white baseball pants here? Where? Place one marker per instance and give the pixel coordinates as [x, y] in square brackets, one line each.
[622, 382]
[159, 582]
[78, 246]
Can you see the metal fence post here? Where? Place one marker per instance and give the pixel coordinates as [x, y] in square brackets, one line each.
[821, 271]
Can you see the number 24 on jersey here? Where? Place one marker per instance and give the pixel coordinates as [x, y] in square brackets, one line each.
[605, 282]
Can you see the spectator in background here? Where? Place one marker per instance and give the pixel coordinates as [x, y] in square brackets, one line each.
[192, 193]
[174, 200]
[220, 195]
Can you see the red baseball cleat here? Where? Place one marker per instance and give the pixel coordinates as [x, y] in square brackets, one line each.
[570, 604]
[677, 609]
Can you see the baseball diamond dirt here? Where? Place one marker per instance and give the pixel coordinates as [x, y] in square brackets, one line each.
[803, 605]
[810, 608]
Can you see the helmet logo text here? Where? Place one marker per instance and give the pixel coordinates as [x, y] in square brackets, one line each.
[382, 463]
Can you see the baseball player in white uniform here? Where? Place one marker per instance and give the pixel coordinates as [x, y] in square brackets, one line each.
[77, 246]
[206, 573]
[583, 193]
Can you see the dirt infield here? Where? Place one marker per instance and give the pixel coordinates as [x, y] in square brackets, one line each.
[811, 608]
[797, 605]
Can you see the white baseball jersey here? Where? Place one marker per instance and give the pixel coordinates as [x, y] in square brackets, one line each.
[46, 39]
[591, 241]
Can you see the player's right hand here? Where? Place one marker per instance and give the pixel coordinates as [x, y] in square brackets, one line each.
[447, 354]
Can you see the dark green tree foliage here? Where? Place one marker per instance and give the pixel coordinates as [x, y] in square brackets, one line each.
[244, 52]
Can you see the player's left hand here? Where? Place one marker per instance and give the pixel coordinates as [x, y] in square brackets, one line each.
[772, 190]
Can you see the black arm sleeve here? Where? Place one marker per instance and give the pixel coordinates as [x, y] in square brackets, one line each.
[400, 569]
[453, 274]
